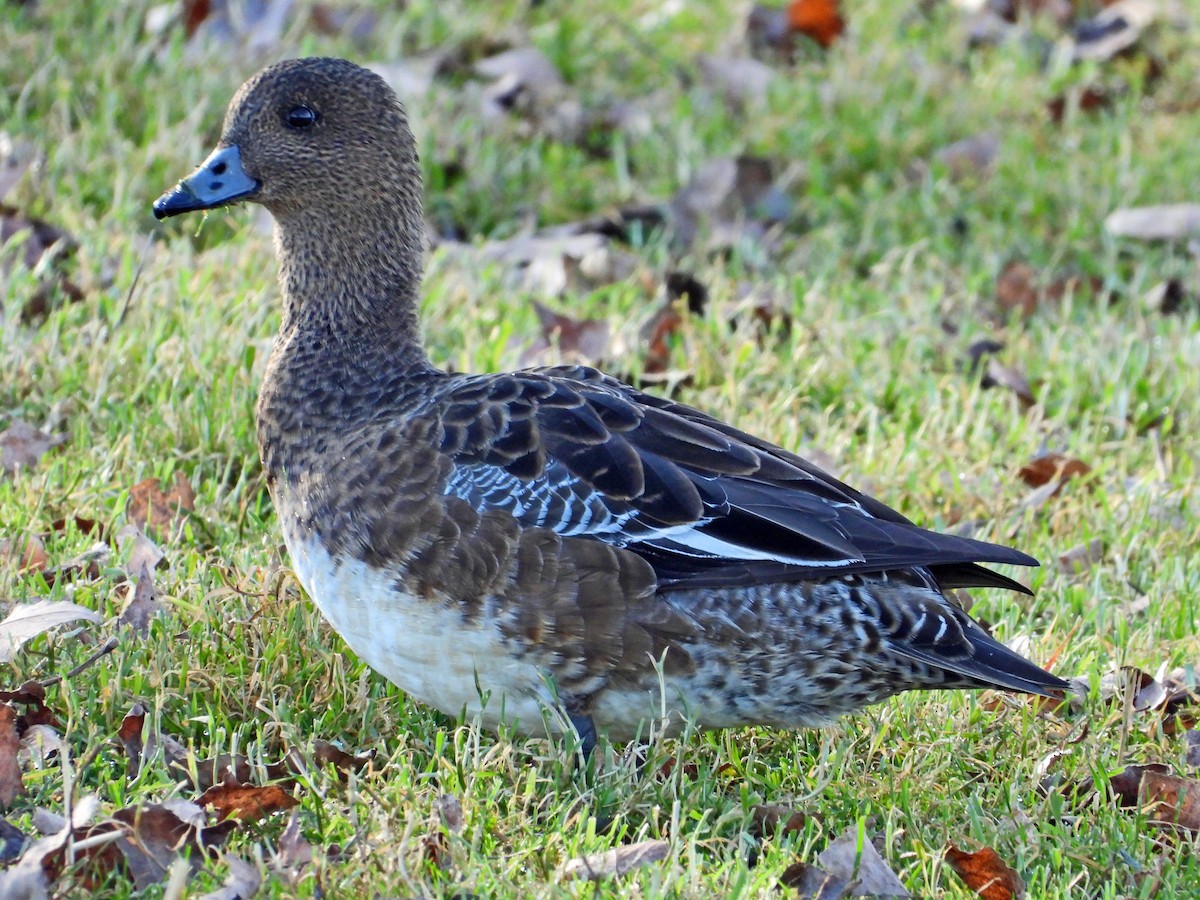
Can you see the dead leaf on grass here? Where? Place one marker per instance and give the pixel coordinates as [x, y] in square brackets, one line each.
[972, 156]
[986, 873]
[23, 445]
[1082, 557]
[739, 80]
[981, 356]
[143, 603]
[41, 248]
[1171, 222]
[246, 802]
[27, 620]
[87, 565]
[130, 736]
[25, 554]
[814, 883]
[731, 198]
[769, 820]
[851, 857]
[242, 882]
[820, 20]
[1191, 743]
[584, 341]
[295, 854]
[155, 510]
[1168, 799]
[1052, 468]
[12, 785]
[1020, 288]
[615, 862]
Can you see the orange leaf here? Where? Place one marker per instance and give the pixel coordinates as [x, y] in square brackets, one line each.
[985, 873]
[820, 20]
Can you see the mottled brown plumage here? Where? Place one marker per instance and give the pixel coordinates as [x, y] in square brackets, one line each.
[551, 539]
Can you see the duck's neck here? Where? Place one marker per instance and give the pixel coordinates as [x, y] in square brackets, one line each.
[352, 279]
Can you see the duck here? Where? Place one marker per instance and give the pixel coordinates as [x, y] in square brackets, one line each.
[551, 550]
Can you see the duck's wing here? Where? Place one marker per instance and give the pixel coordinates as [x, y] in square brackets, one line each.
[584, 455]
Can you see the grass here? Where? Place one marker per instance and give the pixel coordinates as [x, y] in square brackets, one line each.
[874, 261]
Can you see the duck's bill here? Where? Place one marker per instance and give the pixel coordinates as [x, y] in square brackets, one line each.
[219, 180]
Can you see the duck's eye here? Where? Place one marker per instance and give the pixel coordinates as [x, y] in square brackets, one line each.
[302, 117]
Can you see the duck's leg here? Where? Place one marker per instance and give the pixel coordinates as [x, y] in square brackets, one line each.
[585, 728]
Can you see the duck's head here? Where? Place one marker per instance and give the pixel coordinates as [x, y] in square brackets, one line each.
[314, 133]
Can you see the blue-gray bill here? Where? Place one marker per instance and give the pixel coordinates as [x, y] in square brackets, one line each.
[217, 181]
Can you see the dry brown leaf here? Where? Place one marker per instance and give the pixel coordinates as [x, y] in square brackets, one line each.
[1082, 557]
[27, 620]
[12, 785]
[154, 836]
[25, 554]
[772, 819]
[1052, 467]
[615, 862]
[246, 802]
[814, 883]
[153, 509]
[986, 873]
[1020, 288]
[23, 445]
[43, 249]
[143, 604]
[970, 156]
[1167, 799]
[578, 340]
[242, 882]
[872, 873]
[130, 735]
[295, 853]
[820, 20]
[1088, 99]
[87, 565]
[1191, 743]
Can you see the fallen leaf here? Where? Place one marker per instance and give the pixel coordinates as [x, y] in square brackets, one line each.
[851, 857]
[153, 509]
[1114, 30]
[12, 785]
[578, 340]
[1087, 99]
[1170, 298]
[140, 552]
[246, 802]
[732, 198]
[28, 620]
[143, 604]
[739, 80]
[1052, 467]
[1155, 223]
[820, 20]
[1191, 741]
[43, 251]
[1020, 288]
[986, 873]
[130, 735]
[1167, 799]
[997, 374]
[154, 836]
[772, 819]
[814, 883]
[25, 554]
[87, 565]
[242, 882]
[295, 853]
[23, 445]
[1082, 557]
[615, 862]
[970, 156]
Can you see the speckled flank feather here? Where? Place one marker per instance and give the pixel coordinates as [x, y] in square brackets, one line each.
[552, 536]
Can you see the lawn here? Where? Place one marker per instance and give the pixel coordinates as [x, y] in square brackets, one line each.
[846, 296]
